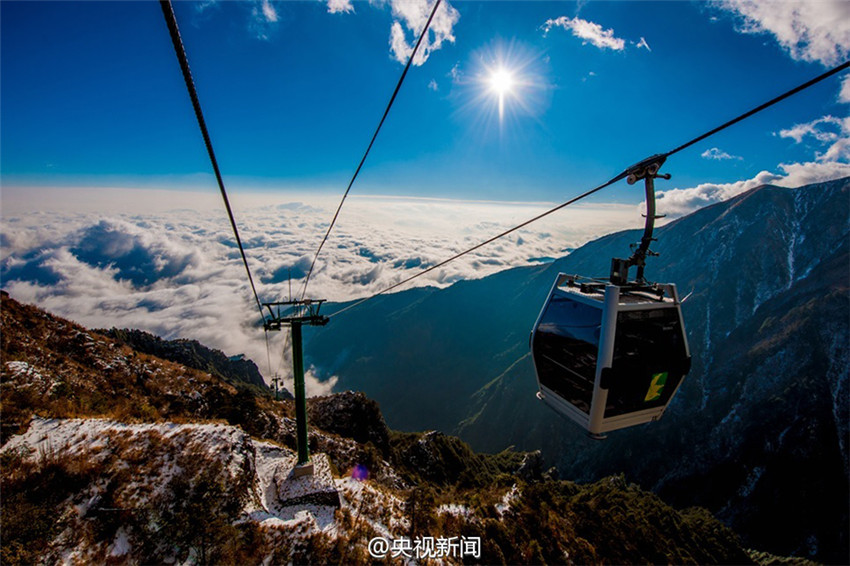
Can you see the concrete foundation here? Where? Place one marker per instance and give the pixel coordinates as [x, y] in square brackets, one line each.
[309, 484]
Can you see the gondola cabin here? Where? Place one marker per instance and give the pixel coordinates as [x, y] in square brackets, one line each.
[609, 356]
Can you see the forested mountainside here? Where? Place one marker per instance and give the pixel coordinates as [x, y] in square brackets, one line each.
[758, 433]
[111, 455]
[193, 354]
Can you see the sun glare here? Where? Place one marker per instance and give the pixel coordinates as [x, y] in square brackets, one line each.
[501, 81]
[508, 83]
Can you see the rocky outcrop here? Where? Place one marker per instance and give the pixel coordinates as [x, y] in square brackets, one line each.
[103, 491]
[193, 354]
[758, 432]
[351, 415]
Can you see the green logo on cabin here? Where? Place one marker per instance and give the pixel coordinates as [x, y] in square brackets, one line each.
[656, 387]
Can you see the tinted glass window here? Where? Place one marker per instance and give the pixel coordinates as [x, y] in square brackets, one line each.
[566, 345]
[649, 360]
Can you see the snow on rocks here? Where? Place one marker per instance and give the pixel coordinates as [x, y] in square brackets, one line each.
[454, 509]
[505, 504]
[278, 485]
[26, 375]
[275, 498]
[121, 545]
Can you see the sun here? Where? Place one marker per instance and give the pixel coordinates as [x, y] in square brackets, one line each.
[501, 81]
[507, 82]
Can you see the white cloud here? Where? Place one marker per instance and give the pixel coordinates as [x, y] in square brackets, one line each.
[815, 128]
[413, 14]
[809, 30]
[844, 93]
[838, 151]
[679, 202]
[824, 130]
[269, 13]
[718, 154]
[398, 43]
[829, 131]
[643, 44]
[262, 15]
[340, 7]
[264, 19]
[590, 32]
[176, 273]
[409, 17]
[433, 85]
[798, 174]
[203, 5]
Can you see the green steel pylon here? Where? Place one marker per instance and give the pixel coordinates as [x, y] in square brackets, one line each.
[294, 314]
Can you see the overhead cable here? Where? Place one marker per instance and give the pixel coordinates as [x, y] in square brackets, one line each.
[484, 243]
[180, 51]
[371, 142]
[761, 107]
[619, 177]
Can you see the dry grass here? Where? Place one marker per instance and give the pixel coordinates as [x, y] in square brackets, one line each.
[178, 494]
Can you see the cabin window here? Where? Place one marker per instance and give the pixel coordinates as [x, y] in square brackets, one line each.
[565, 350]
[649, 360]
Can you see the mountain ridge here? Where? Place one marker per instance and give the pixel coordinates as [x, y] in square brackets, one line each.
[193, 354]
[91, 479]
[745, 262]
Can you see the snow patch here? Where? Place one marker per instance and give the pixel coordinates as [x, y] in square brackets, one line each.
[121, 546]
[271, 481]
[26, 375]
[505, 504]
[454, 509]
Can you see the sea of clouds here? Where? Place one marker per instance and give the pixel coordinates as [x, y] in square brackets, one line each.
[166, 261]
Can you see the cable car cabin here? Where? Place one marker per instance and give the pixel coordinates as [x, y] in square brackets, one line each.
[609, 356]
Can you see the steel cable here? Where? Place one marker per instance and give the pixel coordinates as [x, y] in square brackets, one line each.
[761, 107]
[180, 51]
[622, 175]
[371, 143]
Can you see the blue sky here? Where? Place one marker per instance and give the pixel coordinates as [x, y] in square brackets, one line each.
[110, 215]
[91, 96]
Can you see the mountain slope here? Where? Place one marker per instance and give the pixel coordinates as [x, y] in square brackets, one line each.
[55, 367]
[209, 493]
[767, 317]
[174, 484]
[193, 354]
